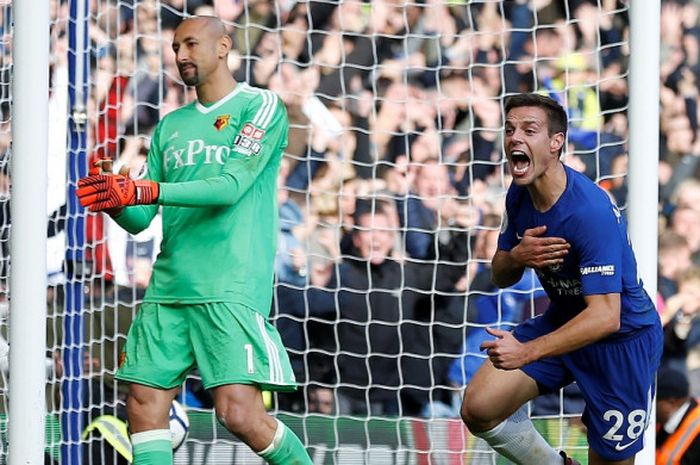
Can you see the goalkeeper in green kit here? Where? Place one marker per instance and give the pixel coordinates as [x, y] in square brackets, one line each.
[212, 166]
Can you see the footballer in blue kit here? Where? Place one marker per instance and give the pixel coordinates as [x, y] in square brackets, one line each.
[600, 260]
[601, 328]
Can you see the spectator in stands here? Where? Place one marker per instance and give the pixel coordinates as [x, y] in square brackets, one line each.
[682, 335]
[677, 420]
[321, 400]
[686, 222]
[674, 259]
[681, 319]
[289, 262]
[687, 194]
[430, 210]
[307, 339]
[385, 338]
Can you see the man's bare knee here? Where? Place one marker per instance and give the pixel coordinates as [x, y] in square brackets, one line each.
[474, 418]
[476, 415]
[241, 410]
[493, 395]
[144, 415]
[147, 408]
[236, 416]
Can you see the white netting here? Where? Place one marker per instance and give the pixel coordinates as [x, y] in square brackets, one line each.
[395, 117]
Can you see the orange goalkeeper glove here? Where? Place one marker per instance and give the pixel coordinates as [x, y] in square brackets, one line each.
[114, 191]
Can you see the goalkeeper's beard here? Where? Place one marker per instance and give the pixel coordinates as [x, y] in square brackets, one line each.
[191, 80]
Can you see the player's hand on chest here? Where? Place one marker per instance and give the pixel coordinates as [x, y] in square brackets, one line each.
[539, 250]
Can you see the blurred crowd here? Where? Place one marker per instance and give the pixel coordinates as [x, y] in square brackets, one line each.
[392, 187]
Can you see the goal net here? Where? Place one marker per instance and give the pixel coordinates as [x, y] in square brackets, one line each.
[391, 197]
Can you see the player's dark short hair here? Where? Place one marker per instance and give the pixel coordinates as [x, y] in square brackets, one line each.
[557, 119]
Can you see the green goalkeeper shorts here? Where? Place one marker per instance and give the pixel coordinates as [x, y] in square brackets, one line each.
[228, 343]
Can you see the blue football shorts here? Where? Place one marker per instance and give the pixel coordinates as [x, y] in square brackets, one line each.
[616, 378]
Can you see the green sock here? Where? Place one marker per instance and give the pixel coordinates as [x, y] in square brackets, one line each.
[286, 449]
[153, 447]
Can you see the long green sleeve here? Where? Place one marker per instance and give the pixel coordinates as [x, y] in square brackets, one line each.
[136, 219]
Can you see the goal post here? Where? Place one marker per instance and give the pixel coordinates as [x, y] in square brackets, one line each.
[644, 161]
[27, 284]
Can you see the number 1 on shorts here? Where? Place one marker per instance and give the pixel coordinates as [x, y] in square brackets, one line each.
[249, 357]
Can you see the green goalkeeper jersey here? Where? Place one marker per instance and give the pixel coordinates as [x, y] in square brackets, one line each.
[217, 168]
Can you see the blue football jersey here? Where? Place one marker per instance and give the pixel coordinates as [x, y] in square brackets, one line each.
[600, 260]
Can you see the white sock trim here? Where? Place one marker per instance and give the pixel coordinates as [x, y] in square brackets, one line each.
[151, 435]
[276, 440]
[492, 432]
[517, 440]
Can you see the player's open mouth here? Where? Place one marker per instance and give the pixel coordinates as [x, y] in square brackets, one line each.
[519, 162]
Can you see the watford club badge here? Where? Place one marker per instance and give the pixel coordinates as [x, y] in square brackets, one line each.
[221, 122]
